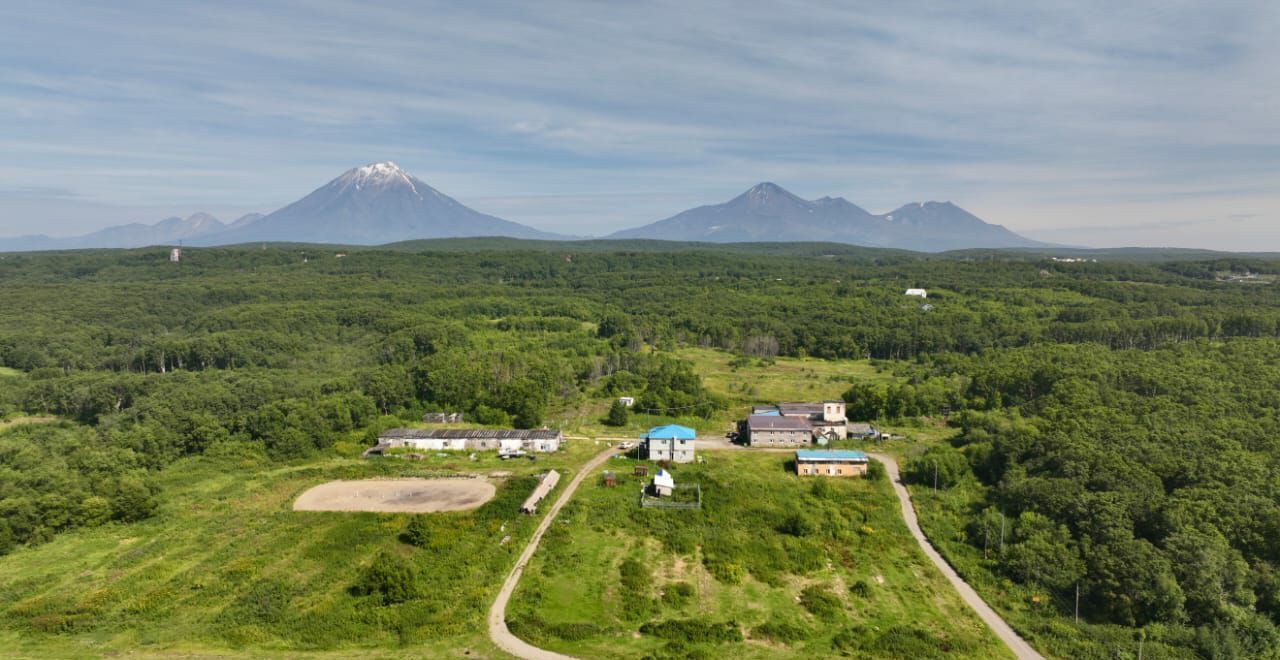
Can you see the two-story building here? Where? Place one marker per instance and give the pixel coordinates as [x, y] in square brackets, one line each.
[774, 430]
[672, 443]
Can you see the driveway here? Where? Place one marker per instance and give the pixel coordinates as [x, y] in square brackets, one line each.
[498, 631]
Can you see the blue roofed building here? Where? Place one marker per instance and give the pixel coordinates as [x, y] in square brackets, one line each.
[672, 443]
[831, 463]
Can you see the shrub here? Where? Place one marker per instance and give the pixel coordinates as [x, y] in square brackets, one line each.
[875, 471]
[820, 602]
[389, 579]
[781, 631]
[905, 641]
[861, 589]
[798, 524]
[417, 532]
[678, 594]
[693, 631]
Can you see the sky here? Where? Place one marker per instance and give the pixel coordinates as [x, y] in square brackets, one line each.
[1077, 122]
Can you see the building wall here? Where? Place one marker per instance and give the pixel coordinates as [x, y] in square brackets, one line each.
[780, 438]
[833, 469]
[668, 449]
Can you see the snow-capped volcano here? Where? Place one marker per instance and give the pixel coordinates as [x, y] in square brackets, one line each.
[370, 205]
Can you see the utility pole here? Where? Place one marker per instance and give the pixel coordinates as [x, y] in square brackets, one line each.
[1001, 533]
[1077, 603]
[935, 476]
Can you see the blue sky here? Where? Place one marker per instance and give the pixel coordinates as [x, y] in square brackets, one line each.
[1097, 123]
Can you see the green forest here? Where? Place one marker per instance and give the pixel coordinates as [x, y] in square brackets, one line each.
[1113, 425]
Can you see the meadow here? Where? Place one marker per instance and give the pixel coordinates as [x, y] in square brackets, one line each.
[224, 566]
[771, 566]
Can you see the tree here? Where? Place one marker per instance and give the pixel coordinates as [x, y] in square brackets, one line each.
[1042, 553]
[618, 414]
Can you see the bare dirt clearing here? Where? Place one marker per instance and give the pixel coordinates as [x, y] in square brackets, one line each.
[397, 495]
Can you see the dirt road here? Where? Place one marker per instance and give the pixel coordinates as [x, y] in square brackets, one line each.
[498, 631]
[1017, 644]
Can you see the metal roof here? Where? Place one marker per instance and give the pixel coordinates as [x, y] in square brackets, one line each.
[468, 434]
[670, 431]
[801, 408]
[831, 455]
[777, 423]
[663, 479]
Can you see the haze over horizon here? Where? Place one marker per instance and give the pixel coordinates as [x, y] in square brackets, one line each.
[1078, 123]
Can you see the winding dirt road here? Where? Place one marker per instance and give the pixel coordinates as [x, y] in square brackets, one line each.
[498, 631]
[1016, 643]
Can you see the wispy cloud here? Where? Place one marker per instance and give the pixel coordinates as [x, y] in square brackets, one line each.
[1027, 113]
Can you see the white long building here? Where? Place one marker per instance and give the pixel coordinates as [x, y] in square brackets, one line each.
[539, 440]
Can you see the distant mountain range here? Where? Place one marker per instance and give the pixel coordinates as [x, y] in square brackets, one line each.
[167, 231]
[381, 203]
[767, 212]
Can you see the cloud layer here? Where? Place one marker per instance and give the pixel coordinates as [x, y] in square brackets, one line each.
[1082, 122]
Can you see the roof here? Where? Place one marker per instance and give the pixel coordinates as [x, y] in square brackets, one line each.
[831, 455]
[860, 427]
[468, 434]
[663, 479]
[801, 408]
[671, 431]
[777, 423]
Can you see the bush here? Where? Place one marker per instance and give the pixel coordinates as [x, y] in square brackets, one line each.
[820, 602]
[678, 594]
[875, 471]
[693, 631]
[417, 532]
[798, 524]
[861, 589]
[389, 579]
[780, 631]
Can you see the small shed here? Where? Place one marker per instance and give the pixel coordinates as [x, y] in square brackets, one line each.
[549, 481]
[663, 484]
[918, 293]
[627, 401]
[641, 471]
[610, 479]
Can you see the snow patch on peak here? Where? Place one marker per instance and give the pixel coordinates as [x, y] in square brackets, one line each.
[378, 174]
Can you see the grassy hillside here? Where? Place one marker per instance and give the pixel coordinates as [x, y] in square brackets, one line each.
[226, 566]
[799, 568]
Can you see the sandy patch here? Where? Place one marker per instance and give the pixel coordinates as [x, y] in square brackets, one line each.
[397, 495]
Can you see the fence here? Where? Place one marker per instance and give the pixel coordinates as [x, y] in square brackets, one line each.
[650, 502]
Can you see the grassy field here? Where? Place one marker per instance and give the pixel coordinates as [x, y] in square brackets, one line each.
[797, 568]
[9, 372]
[226, 567]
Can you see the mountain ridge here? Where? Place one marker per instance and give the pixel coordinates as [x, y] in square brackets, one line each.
[767, 211]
